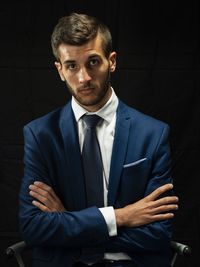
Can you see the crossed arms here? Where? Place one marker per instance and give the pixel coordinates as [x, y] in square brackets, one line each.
[147, 210]
[45, 221]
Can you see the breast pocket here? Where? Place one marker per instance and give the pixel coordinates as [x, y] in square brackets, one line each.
[133, 182]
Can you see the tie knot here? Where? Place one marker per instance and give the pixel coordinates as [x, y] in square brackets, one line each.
[91, 120]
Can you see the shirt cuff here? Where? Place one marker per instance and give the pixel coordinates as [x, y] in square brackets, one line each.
[109, 216]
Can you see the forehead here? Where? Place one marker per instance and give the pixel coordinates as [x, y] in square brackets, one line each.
[73, 52]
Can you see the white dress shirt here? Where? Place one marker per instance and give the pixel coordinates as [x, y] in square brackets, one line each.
[105, 131]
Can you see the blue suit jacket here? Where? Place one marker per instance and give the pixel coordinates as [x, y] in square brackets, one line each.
[52, 155]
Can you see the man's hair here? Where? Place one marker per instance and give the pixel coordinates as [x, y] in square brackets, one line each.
[78, 29]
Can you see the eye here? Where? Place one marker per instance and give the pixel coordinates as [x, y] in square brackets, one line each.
[93, 62]
[71, 66]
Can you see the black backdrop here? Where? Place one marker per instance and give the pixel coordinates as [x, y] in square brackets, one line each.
[158, 73]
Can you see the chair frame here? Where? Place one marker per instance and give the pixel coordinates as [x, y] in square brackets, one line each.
[18, 248]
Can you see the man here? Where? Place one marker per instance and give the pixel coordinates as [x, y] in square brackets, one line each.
[125, 220]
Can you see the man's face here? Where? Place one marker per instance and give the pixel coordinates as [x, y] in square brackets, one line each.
[86, 71]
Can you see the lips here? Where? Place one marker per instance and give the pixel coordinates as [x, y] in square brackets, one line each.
[86, 90]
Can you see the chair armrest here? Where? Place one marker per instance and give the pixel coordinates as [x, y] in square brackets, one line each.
[16, 249]
[181, 249]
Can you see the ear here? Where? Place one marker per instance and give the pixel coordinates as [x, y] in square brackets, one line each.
[112, 61]
[59, 68]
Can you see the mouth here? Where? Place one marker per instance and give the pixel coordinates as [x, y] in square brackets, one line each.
[86, 90]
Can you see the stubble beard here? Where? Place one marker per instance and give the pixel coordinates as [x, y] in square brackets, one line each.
[100, 95]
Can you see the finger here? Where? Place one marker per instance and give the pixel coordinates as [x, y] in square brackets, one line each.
[40, 206]
[162, 217]
[40, 194]
[165, 201]
[41, 198]
[43, 192]
[37, 189]
[159, 191]
[165, 209]
[42, 185]
[46, 188]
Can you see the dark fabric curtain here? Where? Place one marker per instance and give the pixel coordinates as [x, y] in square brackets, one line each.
[158, 72]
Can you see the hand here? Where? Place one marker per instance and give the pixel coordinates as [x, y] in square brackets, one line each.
[46, 199]
[149, 209]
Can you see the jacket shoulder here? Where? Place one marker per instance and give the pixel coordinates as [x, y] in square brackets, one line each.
[141, 118]
[49, 120]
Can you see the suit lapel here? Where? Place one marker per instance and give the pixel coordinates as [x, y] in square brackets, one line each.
[119, 151]
[73, 155]
[73, 158]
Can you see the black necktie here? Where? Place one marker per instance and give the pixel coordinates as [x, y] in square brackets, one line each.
[92, 163]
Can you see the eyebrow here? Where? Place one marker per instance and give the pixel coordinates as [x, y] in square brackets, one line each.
[68, 62]
[71, 61]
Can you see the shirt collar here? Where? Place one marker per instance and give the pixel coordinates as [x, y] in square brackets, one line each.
[106, 112]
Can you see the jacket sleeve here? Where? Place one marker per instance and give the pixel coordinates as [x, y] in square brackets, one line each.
[73, 229]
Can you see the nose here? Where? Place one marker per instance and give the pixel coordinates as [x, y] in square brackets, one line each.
[83, 76]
